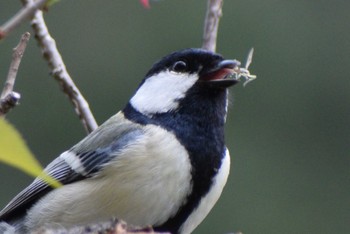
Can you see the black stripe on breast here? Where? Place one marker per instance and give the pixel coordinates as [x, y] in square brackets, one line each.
[199, 127]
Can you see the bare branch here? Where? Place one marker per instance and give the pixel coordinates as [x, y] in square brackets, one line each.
[58, 70]
[211, 24]
[22, 15]
[9, 99]
[17, 55]
[113, 226]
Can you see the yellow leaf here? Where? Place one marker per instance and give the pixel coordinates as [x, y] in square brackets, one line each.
[14, 152]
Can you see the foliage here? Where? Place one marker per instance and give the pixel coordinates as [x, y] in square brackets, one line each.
[14, 152]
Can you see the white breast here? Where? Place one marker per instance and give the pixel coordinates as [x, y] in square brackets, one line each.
[146, 184]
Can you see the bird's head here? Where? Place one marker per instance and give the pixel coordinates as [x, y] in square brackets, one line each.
[172, 78]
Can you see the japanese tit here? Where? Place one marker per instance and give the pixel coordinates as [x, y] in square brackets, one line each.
[161, 161]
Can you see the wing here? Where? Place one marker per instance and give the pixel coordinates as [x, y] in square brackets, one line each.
[58, 169]
[82, 161]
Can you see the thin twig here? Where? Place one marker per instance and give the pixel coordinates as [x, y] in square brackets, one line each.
[113, 226]
[22, 15]
[211, 24]
[58, 70]
[9, 99]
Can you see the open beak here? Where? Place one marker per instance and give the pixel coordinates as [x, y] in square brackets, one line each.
[221, 75]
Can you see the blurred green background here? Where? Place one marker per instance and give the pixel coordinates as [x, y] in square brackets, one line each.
[288, 132]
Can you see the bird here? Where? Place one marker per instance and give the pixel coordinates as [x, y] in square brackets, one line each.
[160, 161]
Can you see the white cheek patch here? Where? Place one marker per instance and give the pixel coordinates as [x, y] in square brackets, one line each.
[161, 92]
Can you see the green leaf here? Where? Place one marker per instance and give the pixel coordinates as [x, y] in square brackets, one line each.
[14, 152]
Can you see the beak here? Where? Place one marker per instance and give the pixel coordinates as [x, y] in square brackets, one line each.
[220, 75]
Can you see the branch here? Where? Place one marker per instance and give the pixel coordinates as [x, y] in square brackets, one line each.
[211, 24]
[24, 14]
[53, 57]
[113, 226]
[9, 99]
[58, 70]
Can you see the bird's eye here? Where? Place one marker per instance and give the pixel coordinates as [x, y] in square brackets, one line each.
[179, 66]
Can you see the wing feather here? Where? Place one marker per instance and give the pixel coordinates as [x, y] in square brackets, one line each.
[58, 169]
[84, 160]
